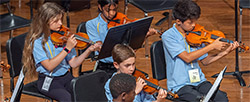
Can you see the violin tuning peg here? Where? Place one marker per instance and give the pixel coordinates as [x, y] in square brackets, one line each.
[241, 50]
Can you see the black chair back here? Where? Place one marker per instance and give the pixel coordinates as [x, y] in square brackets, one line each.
[158, 60]
[89, 87]
[14, 49]
[81, 27]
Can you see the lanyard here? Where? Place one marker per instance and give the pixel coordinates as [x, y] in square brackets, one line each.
[98, 28]
[50, 50]
[192, 66]
[51, 55]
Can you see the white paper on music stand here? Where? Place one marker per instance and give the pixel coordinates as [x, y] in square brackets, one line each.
[18, 84]
[215, 86]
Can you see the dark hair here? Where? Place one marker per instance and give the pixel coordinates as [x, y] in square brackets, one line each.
[107, 2]
[186, 9]
[121, 83]
[121, 53]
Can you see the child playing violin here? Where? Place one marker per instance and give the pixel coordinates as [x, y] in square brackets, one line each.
[52, 63]
[183, 71]
[122, 87]
[97, 30]
[124, 62]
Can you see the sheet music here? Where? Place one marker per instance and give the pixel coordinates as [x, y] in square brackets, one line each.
[215, 86]
[18, 84]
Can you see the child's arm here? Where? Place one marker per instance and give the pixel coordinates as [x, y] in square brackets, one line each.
[50, 64]
[76, 61]
[211, 58]
[189, 57]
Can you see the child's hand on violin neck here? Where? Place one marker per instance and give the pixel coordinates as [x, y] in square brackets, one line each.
[219, 45]
[140, 83]
[71, 42]
[162, 95]
[151, 31]
[232, 46]
[95, 47]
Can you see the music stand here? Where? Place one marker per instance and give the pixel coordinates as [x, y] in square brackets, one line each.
[215, 86]
[132, 34]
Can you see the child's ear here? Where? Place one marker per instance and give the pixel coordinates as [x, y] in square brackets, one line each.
[99, 7]
[116, 65]
[178, 22]
[123, 95]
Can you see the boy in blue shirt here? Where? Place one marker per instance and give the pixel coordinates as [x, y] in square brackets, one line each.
[183, 71]
[124, 62]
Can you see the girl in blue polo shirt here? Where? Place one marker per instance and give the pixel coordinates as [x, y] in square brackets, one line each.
[52, 63]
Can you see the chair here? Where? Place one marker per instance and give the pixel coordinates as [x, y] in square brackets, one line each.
[158, 64]
[9, 21]
[89, 87]
[158, 60]
[14, 48]
[148, 6]
[82, 28]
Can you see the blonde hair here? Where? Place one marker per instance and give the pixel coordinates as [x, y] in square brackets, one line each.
[39, 27]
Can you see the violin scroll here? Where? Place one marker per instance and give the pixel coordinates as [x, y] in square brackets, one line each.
[4, 67]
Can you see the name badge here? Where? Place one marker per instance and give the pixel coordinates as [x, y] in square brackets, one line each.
[46, 83]
[194, 75]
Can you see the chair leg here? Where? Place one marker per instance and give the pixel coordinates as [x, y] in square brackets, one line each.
[125, 7]
[11, 34]
[9, 8]
[240, 26]
[146, 48]
[146, 42]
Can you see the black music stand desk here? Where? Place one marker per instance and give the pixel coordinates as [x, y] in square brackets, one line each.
[132, 34]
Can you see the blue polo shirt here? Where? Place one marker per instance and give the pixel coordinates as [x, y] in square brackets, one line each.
[177, 69]
[97, 30]
[141, 97]
[40, 55]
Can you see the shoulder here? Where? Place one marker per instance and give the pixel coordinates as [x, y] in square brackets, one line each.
[38, 40]
[93, 21]
[170, 33]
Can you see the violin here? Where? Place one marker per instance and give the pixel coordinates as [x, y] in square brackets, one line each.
[120, 19]
[59, 38]
[4, 67]
[152, 84]
[199, 35]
